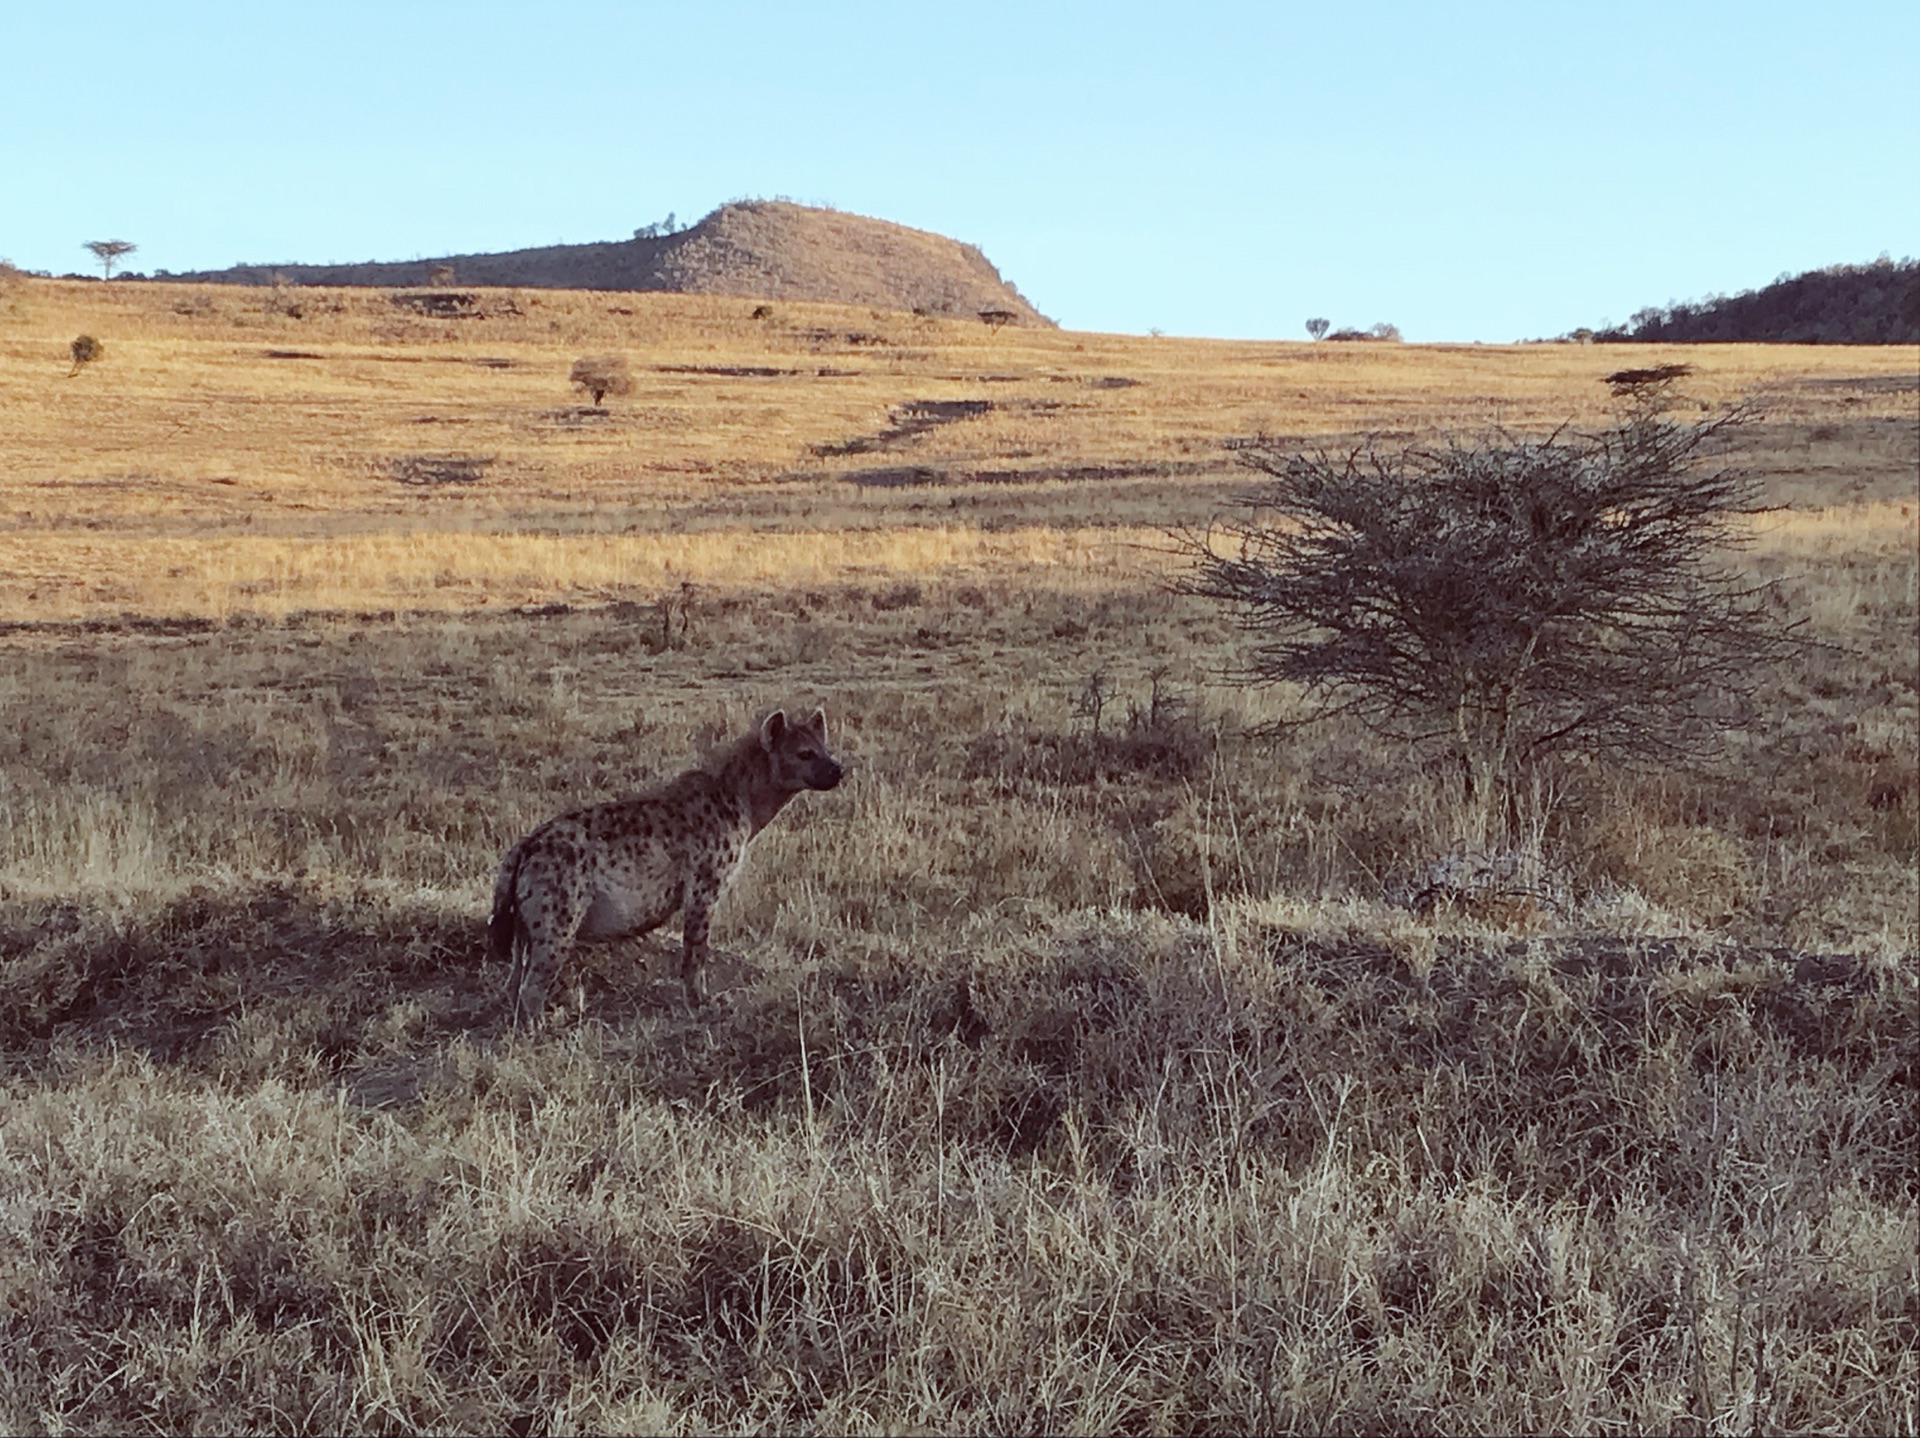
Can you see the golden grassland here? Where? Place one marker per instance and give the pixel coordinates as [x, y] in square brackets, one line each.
[1075, 1067]
[191, 472]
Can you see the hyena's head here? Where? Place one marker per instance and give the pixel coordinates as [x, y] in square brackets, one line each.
[797, 751]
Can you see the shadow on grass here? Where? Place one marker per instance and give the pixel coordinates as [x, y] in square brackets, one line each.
[169, 981]
[1089, 1019]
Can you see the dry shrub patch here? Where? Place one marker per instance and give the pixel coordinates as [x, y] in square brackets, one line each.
[1688, 868]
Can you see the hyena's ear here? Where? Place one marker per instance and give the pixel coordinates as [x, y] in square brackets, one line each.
[818, 723]
[773, 729]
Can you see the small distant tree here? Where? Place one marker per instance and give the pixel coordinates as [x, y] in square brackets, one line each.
[108, 251]
[440, 276]
[1509, 602]
[85, 349]
[1317, 327]
[1091, 702]
[1384, 331]
[601, 375]
[994, 319]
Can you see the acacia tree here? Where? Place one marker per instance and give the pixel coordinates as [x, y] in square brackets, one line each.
[601, 375]
[1509, 602]
[108, 251]
[1317, 326]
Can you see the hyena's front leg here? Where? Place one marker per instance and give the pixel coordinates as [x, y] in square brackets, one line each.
[697, 908]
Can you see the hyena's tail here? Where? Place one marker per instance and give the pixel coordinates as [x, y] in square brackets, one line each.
[505, 922]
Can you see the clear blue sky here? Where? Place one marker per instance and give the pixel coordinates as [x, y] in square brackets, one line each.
[1486, 171]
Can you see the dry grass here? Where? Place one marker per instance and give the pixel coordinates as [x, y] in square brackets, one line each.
[381, 421]
[437, 570]
[1073, 1069]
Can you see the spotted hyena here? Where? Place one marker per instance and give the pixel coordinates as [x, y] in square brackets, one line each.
[613, 871]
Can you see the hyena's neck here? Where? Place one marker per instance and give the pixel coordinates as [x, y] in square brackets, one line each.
[746, 774]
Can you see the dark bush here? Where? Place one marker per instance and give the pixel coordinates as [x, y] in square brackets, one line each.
[1510, 601]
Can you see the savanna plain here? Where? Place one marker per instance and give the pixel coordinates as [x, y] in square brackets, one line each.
[1079, 1065]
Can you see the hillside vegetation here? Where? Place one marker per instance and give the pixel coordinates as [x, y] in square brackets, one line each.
[1873, 304]
[1080, 1064]
[770, 249]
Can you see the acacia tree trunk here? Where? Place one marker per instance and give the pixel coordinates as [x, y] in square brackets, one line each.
[1490, 760]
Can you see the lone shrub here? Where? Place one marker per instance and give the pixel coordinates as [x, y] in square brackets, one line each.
[1507, 602]
[85, 349]
[1628, 383]
[281, 299]
[601, 375]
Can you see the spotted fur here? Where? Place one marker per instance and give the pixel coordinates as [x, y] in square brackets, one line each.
[617, 870]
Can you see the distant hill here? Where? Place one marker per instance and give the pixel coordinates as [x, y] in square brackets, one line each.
[767, 248]
[1873, 304]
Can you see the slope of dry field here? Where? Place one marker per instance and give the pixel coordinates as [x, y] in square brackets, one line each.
[1073, 1067]
[228, 456]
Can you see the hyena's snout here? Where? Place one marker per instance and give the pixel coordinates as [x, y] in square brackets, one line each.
[826, 773]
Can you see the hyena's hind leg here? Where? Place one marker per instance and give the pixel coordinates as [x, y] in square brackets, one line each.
[548, 911]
